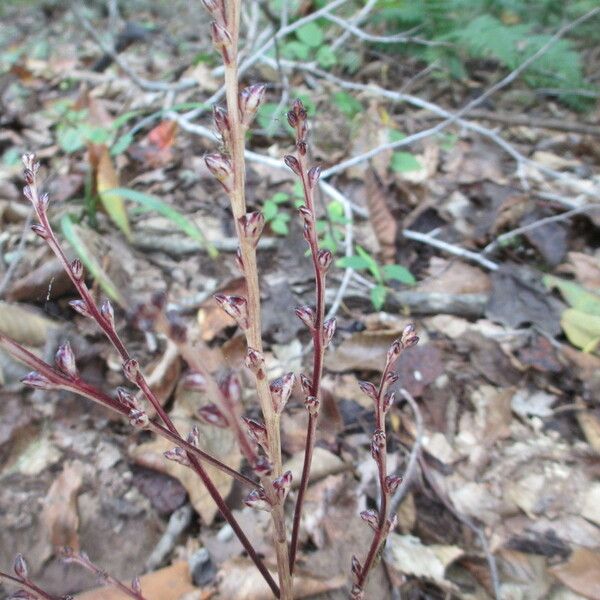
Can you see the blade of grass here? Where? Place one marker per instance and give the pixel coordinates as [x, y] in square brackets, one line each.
[149, 202]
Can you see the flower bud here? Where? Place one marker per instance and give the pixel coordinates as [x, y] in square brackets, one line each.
[65, 360]
[281, 390]
[388, 401]
[22, 595]
[194, 381]
[313, 176]
[371, 518]
[292, 119]
[77, 269]
[220, 166]
[127, 399]
[258, 432]
[136, 585]
[324, 258]
[236, 307]
[193, 437]
[329, 330]
[28, 193]
[306, 384]
[299, 110]
[222, 124]
[131, 369]
[307, 315]
[307, 216]
[220, 37]
[258, 499]
[409, 337]
[81, 307]
[249, 102]
[29, 176]
[20, 567]
[301, 144]
[28, 160]
[231, 388]
[255, 361]
[251, 226]
[40, 231]
[390, 377]
[263, 466]
[107, 311]
[282, 486]
[356, 593]
[212, 415]
[39, 381]
[178, 455]
[312, 405]
[377, 444]
[391, 483]
[292, 162]
[138, 418]
[369, 389]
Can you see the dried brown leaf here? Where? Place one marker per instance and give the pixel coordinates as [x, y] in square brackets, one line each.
[381, 217]
[581, 573]
[24, 324]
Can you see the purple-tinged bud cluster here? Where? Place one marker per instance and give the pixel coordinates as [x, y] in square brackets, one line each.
[231, 388]
[127, 399]
[39, 381]
[258, 499]
[388, 401]
[194, 381]
[212, 415]
[391, 483]
[255, 361]
[236, 307]
[356, 568]
[136, 585]
[138, 418]
[65, 360]
[312, 405]
[77, 269]
[20, 567]
[222, 124]
[306, 384]
[250, 100]
[324, 259]
[81, 307]
[371, 518]
[281, 389]
[369, 389]
[193, 437]
[220, 166]
[377, 444]
[251, 226]
[329, 330]
[263, 466]
[313, 176]
[40, 231]
[178, 455]
[131, 369]
[292, 162]
[282, 486]
[258, 432]
[307, 315]
[108, 313]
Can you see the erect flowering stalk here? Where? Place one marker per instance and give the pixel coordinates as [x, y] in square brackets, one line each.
[104, 317]
[231, 172]
[27, 589]
[379, 520]
[321, 331]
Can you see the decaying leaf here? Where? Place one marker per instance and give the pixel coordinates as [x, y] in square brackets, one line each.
[25, 324]
[381, 217]
[171, 583]
[324, 463]
[59, 515]
[581, 572]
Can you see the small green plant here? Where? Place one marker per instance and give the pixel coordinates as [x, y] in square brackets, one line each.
[382, 274]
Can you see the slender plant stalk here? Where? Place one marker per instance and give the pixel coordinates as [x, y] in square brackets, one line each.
[315, 320]
[104, 316]
[379, 520]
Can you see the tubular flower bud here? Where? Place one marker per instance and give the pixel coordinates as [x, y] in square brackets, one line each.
[324, 258]
[306, 384]
[356, 568]
[40, 231]
[292, 162]
[220, 37]
[409, 337]
[377, 444]
[65, 360]
[177, 454]
[138, 418]
[220, 167]
[251, 226]
[388, 401]
[193, 437]
[258, 499]
[136, 585]
[258, 432]
[307, 315]
[312, 405]
[249, 102]
[329, 330]
[42, 203]
[394, 352]
[239, 260]
[29, 176]
[28, 194]
[231, 388]
[20, 567]
[39, 381]
[131, 369]
[212, 415]
[236, 307]
[369, 389]
[390, 378]
[281, 390]
[28, 160]
[127, 399]
[222, 123]
[263, 466]
[282, 486]
[371, 518]
[77, 269]
[255, 361]
[194, 381]
[307, 216]
[81, 307]
[356, 593]
[107, 311]
[391, 483]
[313, 176]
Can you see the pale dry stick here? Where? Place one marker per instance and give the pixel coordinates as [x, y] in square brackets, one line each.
[355, 20]
[430, 240]
[539, 223]
[104, 317]
[230, 171]
[380, 521]
[321, 331]
[145, 84]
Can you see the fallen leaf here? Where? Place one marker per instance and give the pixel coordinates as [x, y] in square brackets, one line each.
[381, 217]
[454, 277]
[59, 513]
[591, 504]
[365, 351]
[170, 583]
[533, 404]
[407, 555]
[25, 324]
[586, 269]
[581, 573]
[419, 367]
[324, 463]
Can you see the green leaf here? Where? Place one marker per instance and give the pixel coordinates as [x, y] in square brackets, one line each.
[577, 296]
[279, 226]
[398, 273]
[280, 197]
[582, 329]
[378, 294]
[326, 57]
[96, 135]
[296, 49]
[358, 263]
[121, 144]
[403, 162]
[373, 266]
[311, 34]
[348, 104]
[149, 202]
[71, 235]
[269, 210]
[69, 138]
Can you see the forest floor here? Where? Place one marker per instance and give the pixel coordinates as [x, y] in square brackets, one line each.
[500, 452]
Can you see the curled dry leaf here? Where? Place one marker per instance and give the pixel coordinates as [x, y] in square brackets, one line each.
[24, 324]
[381, 217]
[581, 572]
[59, 515]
